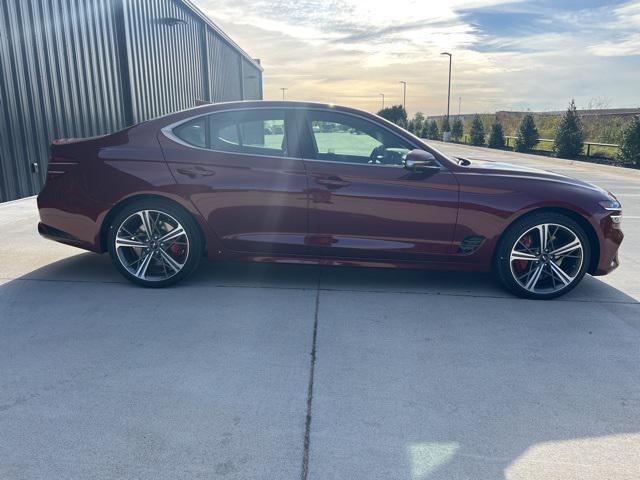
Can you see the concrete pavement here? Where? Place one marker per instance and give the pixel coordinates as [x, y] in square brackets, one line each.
[417, 375]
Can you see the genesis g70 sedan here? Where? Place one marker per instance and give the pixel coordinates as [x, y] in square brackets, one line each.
[314, 183]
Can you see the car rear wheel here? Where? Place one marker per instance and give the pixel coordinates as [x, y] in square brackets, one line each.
[543, 256]
[154, 244]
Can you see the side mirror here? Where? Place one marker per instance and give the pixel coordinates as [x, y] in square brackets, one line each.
[420, 161]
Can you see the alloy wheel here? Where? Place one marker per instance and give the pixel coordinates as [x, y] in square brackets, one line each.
[152, 245]
[546, 258]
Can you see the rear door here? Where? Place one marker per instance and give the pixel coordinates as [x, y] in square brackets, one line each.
[243, 171]
[363, 202]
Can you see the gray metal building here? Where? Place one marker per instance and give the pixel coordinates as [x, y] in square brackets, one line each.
[78, 68]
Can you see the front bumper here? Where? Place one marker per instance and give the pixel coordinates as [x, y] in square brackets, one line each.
[610, 237]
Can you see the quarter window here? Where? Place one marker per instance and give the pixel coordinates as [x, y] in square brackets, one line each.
[252, 132]
[194, 132]
[346, 138]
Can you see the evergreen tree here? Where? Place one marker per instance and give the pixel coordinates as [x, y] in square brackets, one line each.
[476, 134]
[496, 136]
[630, 145]
[445, 125]
[432, 132]
[425, 129]
[528, 136]
[457, 130]
[569, 134]
[411, 125]
[418, 123]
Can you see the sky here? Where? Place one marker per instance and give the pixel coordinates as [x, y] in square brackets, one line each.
[507, 55]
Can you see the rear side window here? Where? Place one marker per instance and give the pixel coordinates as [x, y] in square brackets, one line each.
[257, 132]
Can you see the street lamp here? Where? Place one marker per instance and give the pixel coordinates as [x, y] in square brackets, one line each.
[382, 95]
[404, 94]
[449, 89]
[283, 90]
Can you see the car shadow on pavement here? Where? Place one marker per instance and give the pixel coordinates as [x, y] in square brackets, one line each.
[420, 374]
[91, 267]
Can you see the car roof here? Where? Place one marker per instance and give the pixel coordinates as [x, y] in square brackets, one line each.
[246, 104]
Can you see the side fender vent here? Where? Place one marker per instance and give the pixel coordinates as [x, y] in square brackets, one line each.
[470, 244]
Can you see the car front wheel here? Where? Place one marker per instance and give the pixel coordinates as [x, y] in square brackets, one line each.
[154, 244]
[543, 256]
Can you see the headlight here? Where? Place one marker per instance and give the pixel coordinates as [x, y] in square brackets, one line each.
[611, 204]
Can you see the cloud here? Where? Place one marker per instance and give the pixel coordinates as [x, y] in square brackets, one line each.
[629, 45]
[625, 27]
[507, 54]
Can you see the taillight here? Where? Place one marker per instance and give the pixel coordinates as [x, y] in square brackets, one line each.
[58, 166]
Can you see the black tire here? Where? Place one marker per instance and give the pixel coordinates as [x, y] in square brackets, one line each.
[190, 248]
[506, 270]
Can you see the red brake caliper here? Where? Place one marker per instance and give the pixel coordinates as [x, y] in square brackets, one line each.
[176, 250]
[521, 265]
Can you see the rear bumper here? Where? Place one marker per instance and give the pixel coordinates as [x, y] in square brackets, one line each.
[69, 216]
[52, 233]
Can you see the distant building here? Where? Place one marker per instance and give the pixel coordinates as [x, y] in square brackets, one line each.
[79, 69]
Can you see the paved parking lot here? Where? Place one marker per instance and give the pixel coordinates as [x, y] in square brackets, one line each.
[417, 375]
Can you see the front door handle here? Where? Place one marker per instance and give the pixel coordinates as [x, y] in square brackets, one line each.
[333, 182]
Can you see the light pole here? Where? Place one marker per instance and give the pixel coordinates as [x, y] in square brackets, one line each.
[459, 103]
[283, 90]
[382, 95]
[404, 94]
[449, 89]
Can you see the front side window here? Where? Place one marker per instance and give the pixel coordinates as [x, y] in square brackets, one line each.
[346, 138]
[257, 132]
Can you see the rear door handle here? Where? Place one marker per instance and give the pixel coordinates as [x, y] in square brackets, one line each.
[196, 172]
[332, 182]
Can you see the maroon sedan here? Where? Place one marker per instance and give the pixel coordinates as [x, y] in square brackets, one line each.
[315, 183]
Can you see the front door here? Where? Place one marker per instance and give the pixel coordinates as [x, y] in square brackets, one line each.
[242, 171]
[363, 202]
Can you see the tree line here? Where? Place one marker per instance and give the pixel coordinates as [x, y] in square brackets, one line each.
[569, 133]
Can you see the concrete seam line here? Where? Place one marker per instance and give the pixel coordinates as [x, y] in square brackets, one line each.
[307, 426]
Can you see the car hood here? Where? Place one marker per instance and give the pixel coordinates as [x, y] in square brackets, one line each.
[520, 171]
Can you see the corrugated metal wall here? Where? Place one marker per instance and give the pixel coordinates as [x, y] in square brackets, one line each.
[59, 79]
[224, 81]
[252, 80]
[78, 68]
[164, 57]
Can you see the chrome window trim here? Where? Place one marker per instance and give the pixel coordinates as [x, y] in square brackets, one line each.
[440, 167]
[167, 131]
[351, 163]
[171, 136]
